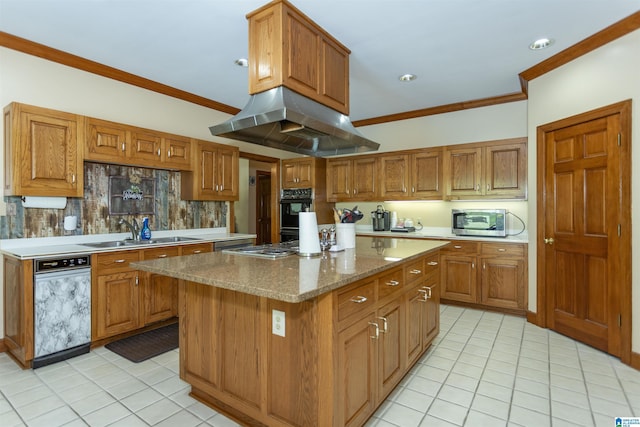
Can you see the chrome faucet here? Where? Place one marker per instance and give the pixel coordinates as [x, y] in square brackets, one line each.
[133, 226]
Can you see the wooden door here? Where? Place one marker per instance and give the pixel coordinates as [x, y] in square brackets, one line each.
[463, 167]
[365, 175]
[263, 208]
[584, 214]
[339, 180]
[356, 374]
[426, 175]
[506, 170]
[395, 176]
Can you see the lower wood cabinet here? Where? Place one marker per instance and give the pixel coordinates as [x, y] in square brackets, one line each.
[18, 309]
[160, 292]
[488, 274]
[342, 354]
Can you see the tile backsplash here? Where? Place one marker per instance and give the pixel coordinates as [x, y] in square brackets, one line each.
[170, 212]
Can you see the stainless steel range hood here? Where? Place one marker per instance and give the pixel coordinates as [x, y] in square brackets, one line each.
[281, 118]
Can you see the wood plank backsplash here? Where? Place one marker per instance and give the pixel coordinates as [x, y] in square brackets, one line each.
[171, 213]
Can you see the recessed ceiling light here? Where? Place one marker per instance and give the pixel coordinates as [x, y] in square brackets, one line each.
[407, 77]
[242, 62]
[541, 44]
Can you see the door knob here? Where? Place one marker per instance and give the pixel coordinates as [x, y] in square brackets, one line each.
[549, 241]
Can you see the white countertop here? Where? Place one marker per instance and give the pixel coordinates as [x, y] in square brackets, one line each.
[439, 233]
[36, 247]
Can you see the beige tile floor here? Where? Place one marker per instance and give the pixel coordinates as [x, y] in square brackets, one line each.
[484, 369]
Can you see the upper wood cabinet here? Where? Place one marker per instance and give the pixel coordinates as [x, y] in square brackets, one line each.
[121, 144]
[286, 48]
[495, 169]
[352, 179]
[42, 152]
[214, 175]
[298, 173]
[414, 175]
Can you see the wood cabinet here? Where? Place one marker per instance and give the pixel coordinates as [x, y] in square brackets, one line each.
[18, 309]
[487, 274]
[352, 179]
[214, 175]
[341, 353]
[117, 143]
[298, 173]
[414, 175]
[287, 48]
[160, 293]
[43, 152]
[495, 169]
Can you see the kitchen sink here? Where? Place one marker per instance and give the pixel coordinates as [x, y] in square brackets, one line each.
[129, 242]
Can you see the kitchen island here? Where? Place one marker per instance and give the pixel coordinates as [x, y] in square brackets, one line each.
[304, 341]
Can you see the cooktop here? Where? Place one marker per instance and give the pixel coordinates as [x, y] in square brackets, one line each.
[273, 251]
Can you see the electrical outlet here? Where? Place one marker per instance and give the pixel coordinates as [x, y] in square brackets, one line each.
[277, 323]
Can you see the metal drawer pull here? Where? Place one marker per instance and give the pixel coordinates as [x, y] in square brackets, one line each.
[385, 328]
[393, 283]
[428, 289]
[358, 300]
[457, 246]
[159, 152]
[425, 297]
[168, 153]
[162, 256]
[197, 252]
[432, 263]
[119, 261]
[502, 250]
[415, 271]
[377, 334]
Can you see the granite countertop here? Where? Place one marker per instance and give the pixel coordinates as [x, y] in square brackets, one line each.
[41, 247]
[441, 233]
[293, 278]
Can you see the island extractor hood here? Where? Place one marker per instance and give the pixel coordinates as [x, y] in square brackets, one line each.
[281, 118]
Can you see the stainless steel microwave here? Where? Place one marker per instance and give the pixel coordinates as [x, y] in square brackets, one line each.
[479, 222]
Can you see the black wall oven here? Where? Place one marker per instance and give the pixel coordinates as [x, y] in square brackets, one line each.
[292, 202]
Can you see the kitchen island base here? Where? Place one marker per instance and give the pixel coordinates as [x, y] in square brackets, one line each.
[329, 361]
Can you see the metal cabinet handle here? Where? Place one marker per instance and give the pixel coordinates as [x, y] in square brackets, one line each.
[424, 295]
[502, 250]
[415, 271]
[73, 178]
[478, 187]
[123, 146]
[385, 325]
[432, 263]
[162, 256]
[484, 265]
[137, 281]
[473, 265]
[358, 299]
[488, 187]
[457, 247]
[393, 283]
[377, 329]
[119, 261]
[168, 153]
[428, 289]
[197, 252]
[159, 152]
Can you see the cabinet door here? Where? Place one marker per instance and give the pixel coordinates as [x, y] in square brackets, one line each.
[365, 173]
[18, 308]
[117, 304]
[105, 141]
[176, 152]
[426, 175]
[227, 165]
[289, 175]
[459, 278]
[339, 180]
[356, 373]
[394, 182]
[463, 167]
[297, 173]
[431, 318]
[390, 346]
[145, 148]
[48, 162]
[505, 170]
[196, 248]
[415, 313]
[160, 299]
[502, 282]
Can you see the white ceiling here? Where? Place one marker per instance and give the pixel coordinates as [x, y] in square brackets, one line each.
[460, 49]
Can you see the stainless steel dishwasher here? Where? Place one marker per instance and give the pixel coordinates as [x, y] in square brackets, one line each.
[62, 308]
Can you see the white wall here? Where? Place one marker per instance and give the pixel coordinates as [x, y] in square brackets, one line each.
[602, 77]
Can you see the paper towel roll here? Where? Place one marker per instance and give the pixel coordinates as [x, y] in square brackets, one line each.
[44, 202]
[309, 241]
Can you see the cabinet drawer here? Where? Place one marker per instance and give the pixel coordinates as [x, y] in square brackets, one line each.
[198, 248]
[156, 253]
[431, 264]
[355, 299]
[462, 247]
[390, 283]
[414, 271]
[114, 262]
[511, 249]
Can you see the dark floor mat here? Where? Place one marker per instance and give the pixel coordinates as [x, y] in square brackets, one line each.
[146, 345]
